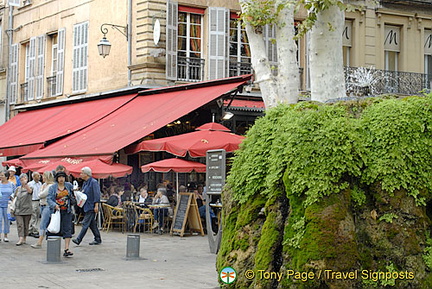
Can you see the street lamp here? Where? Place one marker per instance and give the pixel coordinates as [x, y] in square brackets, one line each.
[104, 45]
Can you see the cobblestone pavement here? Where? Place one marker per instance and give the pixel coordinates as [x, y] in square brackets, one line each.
[165, 262]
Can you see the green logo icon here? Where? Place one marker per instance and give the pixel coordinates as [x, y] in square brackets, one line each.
[228, 275]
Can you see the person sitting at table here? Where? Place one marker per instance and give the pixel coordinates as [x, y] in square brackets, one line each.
[160, 213]
[115, 199]
[144, 199]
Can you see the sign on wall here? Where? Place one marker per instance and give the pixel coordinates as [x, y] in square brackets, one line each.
[392, 38]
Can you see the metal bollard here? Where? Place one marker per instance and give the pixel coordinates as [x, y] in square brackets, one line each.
[133, 246]
[53, 249]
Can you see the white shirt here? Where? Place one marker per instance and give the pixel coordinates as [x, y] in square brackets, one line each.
[36, 189]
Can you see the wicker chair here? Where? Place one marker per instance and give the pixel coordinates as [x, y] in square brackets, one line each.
[113, 216]
[145, 218]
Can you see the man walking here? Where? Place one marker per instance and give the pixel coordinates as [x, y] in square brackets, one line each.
[36, 185]
[91, 207]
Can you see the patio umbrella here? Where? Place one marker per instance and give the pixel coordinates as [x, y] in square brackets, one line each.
[209, 136]
[101, 169]
[175, 165]
[45, 165]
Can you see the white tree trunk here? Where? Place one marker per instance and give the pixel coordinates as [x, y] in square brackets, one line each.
[284, 87]
[326, 57]
[288, 70]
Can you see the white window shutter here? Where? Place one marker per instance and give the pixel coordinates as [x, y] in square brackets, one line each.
[171, 40]
[40, 66]
[218, 45]
[80, 51]
[60, 61]
[15, 3]
[14, 74]
[269, 36]
[30, 76]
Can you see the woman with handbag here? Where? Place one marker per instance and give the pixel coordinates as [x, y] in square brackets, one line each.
[48, 180]
[60, 197]
[6, 191]
[23, 209]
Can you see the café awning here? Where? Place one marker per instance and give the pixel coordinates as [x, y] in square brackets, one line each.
[144, 114]
[31, 130]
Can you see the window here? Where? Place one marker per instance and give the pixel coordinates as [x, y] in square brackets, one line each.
[218, 42]
[27, 88]
[271, 47]
[391, 47]
[56, 44]
[239, 51]
[189, 47]
[184, 43]
[40, 66]
[347, 43]
[428, 57]
[80, 54]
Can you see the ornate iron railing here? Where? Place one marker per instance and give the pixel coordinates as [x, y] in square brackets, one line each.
[190, 69]
[369, 81]
[239, 68]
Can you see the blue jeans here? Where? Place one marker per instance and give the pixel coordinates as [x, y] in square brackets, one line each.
[159, 215]
[4, 217]
[89, 221]
[45, 219]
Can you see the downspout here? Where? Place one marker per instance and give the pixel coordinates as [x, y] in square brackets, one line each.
[9, 76]
[129, 37]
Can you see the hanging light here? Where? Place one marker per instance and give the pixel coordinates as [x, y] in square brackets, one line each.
[104, 47]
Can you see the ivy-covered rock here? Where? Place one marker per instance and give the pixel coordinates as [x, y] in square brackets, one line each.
[333, 196]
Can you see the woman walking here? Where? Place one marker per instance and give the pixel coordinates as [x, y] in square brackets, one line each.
[23, 209]
[48, 180]
[6, 191]
[60, 197]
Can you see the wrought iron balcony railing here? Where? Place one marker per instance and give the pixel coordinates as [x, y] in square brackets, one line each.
[369, 81]
[240, 68]
[190, 69]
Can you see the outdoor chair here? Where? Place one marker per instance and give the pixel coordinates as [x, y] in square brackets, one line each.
[130, 216]
[113, 216]
[145, 218]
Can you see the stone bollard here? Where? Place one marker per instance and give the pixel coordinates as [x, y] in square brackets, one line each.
[53, 249]
[133, 246]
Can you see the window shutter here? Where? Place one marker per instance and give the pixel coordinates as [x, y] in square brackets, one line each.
[14, 74]
[269, 36]
[60, 61]
[171, 40]
[40, 66]
[79, 70]
[30, 75]
[218, 48]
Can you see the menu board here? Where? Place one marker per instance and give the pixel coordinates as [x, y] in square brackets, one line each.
[216, 169]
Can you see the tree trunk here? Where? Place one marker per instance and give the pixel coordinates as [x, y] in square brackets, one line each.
[326, 61]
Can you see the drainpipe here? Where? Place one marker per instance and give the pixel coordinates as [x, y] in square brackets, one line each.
[9, 76]
[129, 37]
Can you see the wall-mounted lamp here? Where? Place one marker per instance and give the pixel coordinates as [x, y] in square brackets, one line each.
[104, 45]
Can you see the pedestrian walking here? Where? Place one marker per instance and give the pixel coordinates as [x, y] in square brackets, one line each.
[91, 207]
[7, 189]
[23, 209]
[36, 185]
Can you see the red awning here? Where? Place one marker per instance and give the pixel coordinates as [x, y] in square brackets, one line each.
[195, 143]
[175, 165]
[149, 111]
[100, 169]
[29, 130]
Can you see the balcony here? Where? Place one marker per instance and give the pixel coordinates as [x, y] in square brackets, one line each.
[362, 81]
[190, 69]
[240, 68]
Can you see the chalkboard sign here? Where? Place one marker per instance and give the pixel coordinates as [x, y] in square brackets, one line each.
[181, 211]
[186, 213]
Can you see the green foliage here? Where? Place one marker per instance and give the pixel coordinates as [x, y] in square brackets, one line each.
[358, 196]
[299, 228]
[259, 13]
[388, 217]
[427, 252]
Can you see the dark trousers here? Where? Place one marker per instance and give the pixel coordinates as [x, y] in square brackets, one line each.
[159, 215]
[89, 221]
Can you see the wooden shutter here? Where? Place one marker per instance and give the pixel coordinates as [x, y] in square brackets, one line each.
[40, 66]
[60, 61]
[171, 40]
[80, 47]
[30, 65]
[218, 45]
[13, 74]
[269, 36]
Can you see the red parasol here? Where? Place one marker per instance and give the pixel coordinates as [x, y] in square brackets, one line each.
[100, 169]
[175, 165]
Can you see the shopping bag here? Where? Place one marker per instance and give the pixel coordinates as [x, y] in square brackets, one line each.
[54, 225]
[12, 205]
[81, 198]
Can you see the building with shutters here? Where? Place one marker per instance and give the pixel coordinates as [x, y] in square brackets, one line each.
[53, 52]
